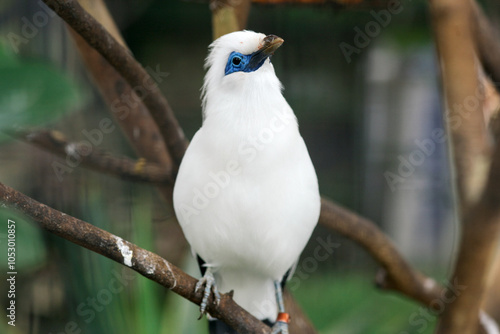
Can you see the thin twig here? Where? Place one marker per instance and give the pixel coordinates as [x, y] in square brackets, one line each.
[137, 77]
[97, 159]
[142, 261]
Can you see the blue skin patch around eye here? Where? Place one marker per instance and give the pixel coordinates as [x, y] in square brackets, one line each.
[238, 62]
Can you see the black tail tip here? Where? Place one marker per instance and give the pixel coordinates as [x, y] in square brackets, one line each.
[219, 327]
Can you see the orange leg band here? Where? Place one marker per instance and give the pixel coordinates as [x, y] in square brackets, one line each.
[283, 317]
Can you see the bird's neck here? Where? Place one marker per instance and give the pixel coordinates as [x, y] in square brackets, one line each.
[254, 102]
[250, 115]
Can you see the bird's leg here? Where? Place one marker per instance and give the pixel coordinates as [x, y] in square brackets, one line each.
[281, 325]
[209, 281]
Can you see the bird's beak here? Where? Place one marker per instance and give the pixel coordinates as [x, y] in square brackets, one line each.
[269, 44]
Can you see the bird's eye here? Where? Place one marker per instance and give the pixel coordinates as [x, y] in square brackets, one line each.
[236, 61]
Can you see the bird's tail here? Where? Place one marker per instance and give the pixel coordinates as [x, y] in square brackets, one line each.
[252, 292]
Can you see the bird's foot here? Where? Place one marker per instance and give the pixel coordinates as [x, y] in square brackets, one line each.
[280, 328]
[208, 281]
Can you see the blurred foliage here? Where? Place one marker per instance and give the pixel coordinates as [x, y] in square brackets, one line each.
[32, 92]
[349, 304]
[32, 254]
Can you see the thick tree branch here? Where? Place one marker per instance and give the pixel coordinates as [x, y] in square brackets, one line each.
[98, 160]
[464, 96]
[454, 29]
[142, 261]
[137, 77]
[132, 116]
[398, 274]
[488, 50]
[487, 42]
[126, 107]
[228, 16]
[479, 240]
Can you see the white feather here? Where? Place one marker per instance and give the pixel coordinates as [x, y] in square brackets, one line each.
[246, 193]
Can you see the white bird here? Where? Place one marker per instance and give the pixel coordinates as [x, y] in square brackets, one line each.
[246, 195]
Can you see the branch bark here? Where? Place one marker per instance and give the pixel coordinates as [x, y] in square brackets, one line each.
[487, 42]
[126, 107]
[98, 160]
[228, 16]
[137, 77]
[463, 95]
[476, 178]
[397, 274]
[142, 261]
[132, 116]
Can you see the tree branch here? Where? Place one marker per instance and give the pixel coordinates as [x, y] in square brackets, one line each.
[488, 50]
[454, 29]
[486, 42]
[137, 77]
[398, 275]
[228, 16]
[479, 240]
[132, 116]
[142, 261]
[124, 104]
[96, 159]
[463, 94]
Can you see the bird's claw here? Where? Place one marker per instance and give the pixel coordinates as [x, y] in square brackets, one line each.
[280, 327]
[208, 281]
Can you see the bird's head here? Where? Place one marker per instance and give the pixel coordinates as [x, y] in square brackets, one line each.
[239, 62]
